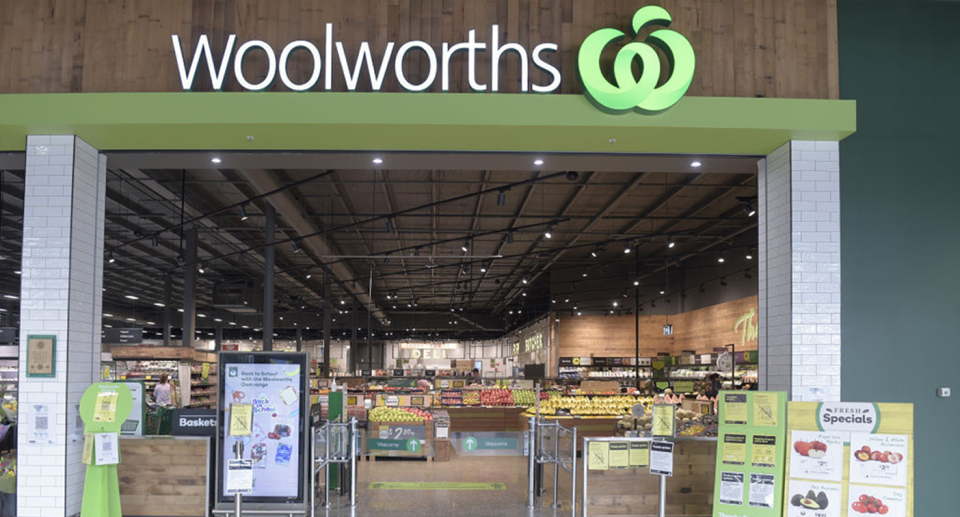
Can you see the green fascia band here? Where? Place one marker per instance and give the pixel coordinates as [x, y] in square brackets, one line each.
[327, 121]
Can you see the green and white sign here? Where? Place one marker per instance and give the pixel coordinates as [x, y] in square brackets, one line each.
[629, 92]
[487, 443]
[750, 454]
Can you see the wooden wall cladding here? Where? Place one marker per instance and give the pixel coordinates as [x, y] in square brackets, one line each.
[745, 48]
[700, 330]
[163, 476]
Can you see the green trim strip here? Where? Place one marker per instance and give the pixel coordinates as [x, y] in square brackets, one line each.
[394, 485]
[418, 122]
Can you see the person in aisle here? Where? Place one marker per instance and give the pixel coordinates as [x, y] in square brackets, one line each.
[163, 393]
[715, 385]
[425, 384]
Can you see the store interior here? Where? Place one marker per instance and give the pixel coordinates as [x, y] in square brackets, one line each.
[468, 291]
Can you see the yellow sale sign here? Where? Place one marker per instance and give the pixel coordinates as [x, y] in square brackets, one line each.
[848, 459]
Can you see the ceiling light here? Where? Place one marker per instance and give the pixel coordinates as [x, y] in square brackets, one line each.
[465, 246]
[218, 320]
[579, 314]
[11, 297]
[309, 275]
[721, 259]
[483, 268]
[749, 255]
[549, 233]
[296, 246]
[501, 198]
[203, 316]
[389, 226]
[179, 310]
[636, 283]
[110, 258]
[510, 238]
[200, 269]
[158, 304]
[243, 213]
[343, 302]
[538, 162]
[377, 161]
[215, 160]
[105, 315]
[553, 301]
[626, 249]
[131, 297]
[525, 281]
[670, 242]
[130, 319]
[751, 212]
[18, 272]
[233, 322]
[180, 260]
[566, 300]
[615, 304]
[584, 274]
[723, 281]
[696, 164]
[523, 294]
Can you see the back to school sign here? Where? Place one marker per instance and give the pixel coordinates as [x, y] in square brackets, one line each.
[848, 459]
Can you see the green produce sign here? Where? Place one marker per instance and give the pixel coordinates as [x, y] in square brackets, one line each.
[629, 92]
[750, 454]
[379, 444]
[471, 444]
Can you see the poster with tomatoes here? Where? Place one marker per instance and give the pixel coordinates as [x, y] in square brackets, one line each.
[873, 500]
[816, 455]
[878, 459]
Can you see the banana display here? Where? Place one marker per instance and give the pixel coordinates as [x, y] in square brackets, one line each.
[615, 405]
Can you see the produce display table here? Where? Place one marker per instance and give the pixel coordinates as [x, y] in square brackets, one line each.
[484, 418]
[164, 475]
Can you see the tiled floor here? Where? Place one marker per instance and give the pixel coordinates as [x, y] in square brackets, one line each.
[511, 501]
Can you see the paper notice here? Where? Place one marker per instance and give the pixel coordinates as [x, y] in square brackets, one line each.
[761, 490]
[241, 419]
[765, 409]
[105, 408]
[106, 448]
[639, 454]
[661, 458]
[599, 456]
[735, 408]
[731, 488]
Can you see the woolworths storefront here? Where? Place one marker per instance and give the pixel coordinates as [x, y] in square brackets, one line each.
[599, 86]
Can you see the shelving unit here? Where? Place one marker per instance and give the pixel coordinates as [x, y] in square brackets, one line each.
[203, 392]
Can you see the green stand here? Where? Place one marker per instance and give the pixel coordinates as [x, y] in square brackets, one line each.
[335, 409]
[101, 489]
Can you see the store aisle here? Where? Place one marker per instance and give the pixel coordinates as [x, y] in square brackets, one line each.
[486, 487]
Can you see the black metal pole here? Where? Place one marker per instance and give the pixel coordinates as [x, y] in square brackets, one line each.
[370, 324]
[636, 311]
[167, 307]
[269, 257]
[299, 339]
[218, 338]
[189, 288]
[325, 368]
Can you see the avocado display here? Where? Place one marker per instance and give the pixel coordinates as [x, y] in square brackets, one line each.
[822, 500]
[795, 500]
[809, 503]
[811, 495]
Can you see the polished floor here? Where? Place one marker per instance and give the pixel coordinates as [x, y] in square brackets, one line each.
[492, 487]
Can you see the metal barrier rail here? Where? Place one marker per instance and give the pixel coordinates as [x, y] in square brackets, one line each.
[662, 498]
[539, 455]
[344, 433]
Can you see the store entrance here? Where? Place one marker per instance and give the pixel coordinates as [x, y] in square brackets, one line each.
[442, 301]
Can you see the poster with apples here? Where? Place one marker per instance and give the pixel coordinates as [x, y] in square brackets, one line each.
[875, 466]
[816, 455]
[867, 500]
[878, 459]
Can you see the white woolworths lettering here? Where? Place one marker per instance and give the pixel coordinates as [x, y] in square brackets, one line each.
[324, 65]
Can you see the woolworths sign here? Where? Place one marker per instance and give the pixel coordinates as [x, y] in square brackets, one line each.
[626, 92]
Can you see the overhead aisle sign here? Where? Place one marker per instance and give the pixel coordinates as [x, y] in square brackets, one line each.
[750, 454]
[848, 459]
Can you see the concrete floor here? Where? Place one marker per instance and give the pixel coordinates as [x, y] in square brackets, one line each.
[511, 471]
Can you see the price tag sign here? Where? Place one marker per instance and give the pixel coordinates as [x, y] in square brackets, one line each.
[239, 476]
[661, 458]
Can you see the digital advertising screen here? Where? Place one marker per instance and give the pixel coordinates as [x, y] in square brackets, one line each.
[262, 410]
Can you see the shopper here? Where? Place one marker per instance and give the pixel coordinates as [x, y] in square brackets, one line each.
[163, 393]
[715, 385]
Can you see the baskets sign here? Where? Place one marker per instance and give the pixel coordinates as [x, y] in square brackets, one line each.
[628, 92]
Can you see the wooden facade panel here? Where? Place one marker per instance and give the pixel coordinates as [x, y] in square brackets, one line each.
[700, 330]
[163, 476]
[745, 48]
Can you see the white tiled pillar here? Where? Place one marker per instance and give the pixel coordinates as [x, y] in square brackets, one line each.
[799, 236]
[60, 294]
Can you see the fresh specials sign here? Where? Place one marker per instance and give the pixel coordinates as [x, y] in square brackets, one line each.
[626, 92]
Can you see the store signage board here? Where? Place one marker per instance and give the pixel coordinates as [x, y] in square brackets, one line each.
[856, 457]
[268, 425]
[194, 422]
[122, 336]
[230, 348]
[629, 93]
[487, 443]
[41, 356]
[750, 454]
[133, 425]
[661, 458]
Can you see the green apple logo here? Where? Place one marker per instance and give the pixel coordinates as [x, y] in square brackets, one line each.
[629, 93]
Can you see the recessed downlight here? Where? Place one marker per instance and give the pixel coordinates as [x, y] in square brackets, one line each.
[377, 161]
[695, 164]
[215, 160]
[538, 162]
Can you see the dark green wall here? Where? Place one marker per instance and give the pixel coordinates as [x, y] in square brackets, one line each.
[900, 199]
